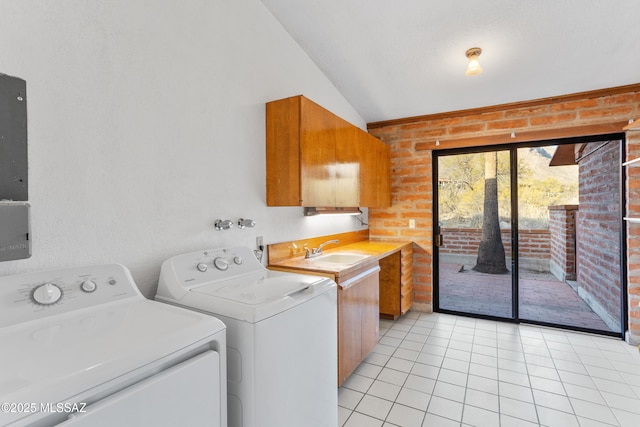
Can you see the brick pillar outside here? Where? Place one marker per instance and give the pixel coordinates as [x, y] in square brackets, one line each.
[562, 229]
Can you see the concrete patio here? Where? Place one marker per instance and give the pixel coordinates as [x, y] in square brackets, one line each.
[543, 298]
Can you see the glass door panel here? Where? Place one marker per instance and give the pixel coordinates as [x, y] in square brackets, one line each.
[569, 235]
[474, 233]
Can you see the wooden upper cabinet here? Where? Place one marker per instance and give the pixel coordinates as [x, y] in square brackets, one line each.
[375, 173]
[317, 159]
[317, 141]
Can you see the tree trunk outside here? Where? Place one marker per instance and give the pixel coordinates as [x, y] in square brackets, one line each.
[491, 255]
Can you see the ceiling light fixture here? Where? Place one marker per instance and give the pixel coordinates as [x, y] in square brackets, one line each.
[473, 68]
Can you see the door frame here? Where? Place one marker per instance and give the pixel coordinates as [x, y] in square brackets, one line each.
[513, 148]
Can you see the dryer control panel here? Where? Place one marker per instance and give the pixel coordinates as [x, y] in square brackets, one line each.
[36, 295]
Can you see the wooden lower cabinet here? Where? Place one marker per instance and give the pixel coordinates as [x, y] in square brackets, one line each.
[358, 319]
[396, 283]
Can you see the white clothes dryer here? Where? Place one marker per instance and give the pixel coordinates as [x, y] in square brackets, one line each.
[82, 347]
[281, 334]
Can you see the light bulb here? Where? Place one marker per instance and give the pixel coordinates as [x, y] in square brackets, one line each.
[473, 68]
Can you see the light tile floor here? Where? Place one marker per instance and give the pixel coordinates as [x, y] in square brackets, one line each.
[445, 370]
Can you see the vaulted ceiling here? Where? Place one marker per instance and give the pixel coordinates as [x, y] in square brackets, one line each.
[402, 58]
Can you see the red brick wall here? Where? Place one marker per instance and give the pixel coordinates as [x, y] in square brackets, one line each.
[410, 144]
[598, 225]
[562, 226]
[465, 241]
[633, 232]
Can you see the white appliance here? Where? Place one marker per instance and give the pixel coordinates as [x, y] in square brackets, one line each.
[83, 347]
[281, 335]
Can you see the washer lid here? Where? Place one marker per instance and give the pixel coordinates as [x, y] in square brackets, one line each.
[258, 296]
[259, 289]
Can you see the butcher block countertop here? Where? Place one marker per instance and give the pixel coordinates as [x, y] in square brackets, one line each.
[373, 250]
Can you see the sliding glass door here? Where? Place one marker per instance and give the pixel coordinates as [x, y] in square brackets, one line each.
[531, 233]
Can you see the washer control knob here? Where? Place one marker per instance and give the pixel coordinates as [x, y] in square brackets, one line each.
[221, 263]
[88, 286]
[237, 260]
[47, 294]
[202, 267]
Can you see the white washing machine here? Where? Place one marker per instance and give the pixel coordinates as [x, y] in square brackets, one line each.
[281, 335]
[82, 347]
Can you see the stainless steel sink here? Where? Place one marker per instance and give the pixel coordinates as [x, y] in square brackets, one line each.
[340, 258]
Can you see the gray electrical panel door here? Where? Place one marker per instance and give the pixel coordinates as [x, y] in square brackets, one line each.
[13, 139]
[15, 231]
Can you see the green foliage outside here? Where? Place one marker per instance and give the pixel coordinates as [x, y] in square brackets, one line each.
[461, 188]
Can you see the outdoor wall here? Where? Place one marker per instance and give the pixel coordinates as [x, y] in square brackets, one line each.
[562, 226]
[461, 245]
[412, 142]
[633, 235]
[598, 230]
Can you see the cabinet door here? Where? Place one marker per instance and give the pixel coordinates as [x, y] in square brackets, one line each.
[349, 332]
[358, 320]
[375, 172]
[367, 169]
[283, 152]
[317, 155]
[369, 313]
[348, 163]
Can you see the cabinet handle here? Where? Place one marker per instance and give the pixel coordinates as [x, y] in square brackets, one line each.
[350, 282]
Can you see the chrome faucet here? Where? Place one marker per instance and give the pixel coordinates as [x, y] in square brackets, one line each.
[318, 251]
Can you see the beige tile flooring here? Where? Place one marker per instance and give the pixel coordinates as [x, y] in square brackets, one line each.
[446, 370]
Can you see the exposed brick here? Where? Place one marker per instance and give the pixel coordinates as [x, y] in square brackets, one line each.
[377, 213]
[527, 112]
[429, 133]
[447, 122]
[625, 98]
[467, 129]
[403, 171]
[401, 154]
[507, 124]
[485, 117]
[575, 105]
[622, 112]
[412, 197]
[424, 171]
[422, 288]
[411, 232]
[412, 126]
[412, 179]
[549, 120]
[382, 232]
[394, 223]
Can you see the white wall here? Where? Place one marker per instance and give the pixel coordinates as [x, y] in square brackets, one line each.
[146, 123]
